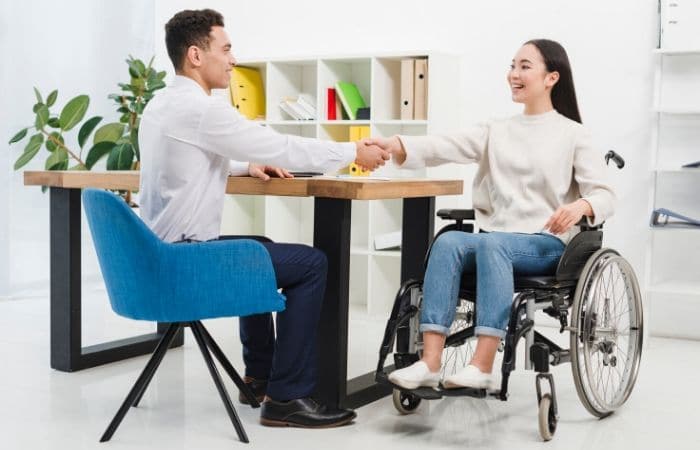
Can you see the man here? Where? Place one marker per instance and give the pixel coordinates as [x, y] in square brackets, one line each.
[190, 142]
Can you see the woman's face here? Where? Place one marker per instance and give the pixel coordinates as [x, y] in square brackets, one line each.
[528, 78]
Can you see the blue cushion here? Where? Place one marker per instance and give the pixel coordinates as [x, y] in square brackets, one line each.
[148, 279]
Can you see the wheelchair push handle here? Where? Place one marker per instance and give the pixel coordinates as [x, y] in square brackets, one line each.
[619, 161]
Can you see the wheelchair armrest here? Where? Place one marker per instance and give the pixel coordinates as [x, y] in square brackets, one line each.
[456, 214]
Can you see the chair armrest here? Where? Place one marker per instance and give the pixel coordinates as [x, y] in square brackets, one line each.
[456, 214]
[218, 279]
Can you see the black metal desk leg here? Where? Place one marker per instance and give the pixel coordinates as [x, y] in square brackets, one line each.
[332, 236]
[418, 228]
[67, 353]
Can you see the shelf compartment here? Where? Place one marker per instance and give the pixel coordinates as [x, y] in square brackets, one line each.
[352, 70]
[290, 79]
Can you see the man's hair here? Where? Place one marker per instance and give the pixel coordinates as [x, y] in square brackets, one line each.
[189, 27]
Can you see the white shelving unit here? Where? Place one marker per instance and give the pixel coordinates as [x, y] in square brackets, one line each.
[374, 275]
[673, 277]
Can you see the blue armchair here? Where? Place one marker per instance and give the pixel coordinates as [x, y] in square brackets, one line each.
[148, 279]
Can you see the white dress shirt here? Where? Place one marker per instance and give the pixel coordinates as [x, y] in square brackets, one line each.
[190, 142]
[528, 166]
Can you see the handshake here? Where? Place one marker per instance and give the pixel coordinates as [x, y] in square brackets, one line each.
[375, 152]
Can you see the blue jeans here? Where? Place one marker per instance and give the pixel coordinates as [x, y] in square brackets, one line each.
[494, 258]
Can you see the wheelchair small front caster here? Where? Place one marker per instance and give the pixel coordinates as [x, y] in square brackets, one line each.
[548, 415]
[547, 418]
[404, 402]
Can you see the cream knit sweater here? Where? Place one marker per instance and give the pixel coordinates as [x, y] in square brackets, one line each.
[528, 166]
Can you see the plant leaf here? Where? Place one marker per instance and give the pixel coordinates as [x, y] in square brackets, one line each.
[86, 129]
[19, 136]
[121, 157]
[134, 138]
[42, 117]
[52, 146]
[97, 152]
[54, 123]
[57, 160]
[30, 150]
[74, 111]
[38, 96]
[78, 167]
[51, 99]
[109, 132]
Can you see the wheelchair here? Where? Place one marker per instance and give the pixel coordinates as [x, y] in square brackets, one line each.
[595, 296]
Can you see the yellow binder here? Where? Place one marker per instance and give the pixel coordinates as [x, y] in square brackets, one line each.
[247, 93]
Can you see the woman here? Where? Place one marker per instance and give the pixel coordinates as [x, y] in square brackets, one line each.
[537, 176]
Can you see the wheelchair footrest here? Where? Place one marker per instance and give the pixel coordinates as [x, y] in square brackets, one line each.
[428, 393]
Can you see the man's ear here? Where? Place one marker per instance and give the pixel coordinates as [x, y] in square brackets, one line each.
[194, 56]
[551, 79]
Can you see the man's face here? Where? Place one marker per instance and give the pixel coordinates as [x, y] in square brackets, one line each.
[217, 61]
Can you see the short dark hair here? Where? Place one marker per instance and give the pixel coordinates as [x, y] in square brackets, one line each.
[563, 93]
[189, 27]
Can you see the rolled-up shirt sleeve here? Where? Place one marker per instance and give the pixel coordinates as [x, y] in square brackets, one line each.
[590, 174]
[224, 131]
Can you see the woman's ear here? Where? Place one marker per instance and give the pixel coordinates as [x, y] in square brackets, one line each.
[551, 79]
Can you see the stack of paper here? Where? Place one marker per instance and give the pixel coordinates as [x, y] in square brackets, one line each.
[299, 108]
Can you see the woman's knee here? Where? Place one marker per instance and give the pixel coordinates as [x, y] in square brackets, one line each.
[448, 243]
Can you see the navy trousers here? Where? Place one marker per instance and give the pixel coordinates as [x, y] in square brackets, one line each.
[289, 361]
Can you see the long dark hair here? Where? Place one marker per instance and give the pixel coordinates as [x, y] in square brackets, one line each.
[563, 92]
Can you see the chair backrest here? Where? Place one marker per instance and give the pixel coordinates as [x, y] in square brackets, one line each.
[576, 253]
[126, 249]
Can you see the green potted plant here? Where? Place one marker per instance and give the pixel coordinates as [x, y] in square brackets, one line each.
[119, 139]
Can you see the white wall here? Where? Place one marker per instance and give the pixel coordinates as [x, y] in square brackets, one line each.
[77, 47]
[609, 44]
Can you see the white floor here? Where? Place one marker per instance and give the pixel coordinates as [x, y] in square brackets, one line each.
[44, 409]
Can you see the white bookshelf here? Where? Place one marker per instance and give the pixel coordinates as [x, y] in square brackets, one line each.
[374, 275]
[673, 254]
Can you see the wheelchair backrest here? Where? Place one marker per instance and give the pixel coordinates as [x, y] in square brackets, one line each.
[577, 252]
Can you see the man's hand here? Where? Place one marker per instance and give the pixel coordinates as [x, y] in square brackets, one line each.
[567, 216]
[264, 172]
[370, 156]
[392, 145]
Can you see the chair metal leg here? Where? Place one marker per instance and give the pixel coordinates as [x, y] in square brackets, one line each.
[150, 376]
[142, 380]
[244, 388]
[217, 381]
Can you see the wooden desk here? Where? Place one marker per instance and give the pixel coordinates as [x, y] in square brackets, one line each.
[332, 207]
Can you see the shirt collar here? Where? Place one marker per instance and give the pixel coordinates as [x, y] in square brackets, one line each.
[188, 83]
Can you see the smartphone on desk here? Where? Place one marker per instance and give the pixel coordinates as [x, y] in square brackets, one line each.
[305, 174]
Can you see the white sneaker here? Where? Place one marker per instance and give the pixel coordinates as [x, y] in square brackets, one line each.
[470, 377]
[414, 376]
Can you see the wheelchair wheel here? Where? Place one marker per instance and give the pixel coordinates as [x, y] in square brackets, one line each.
[607, 332]
[546, 418]
[459, 345]
[404, 402]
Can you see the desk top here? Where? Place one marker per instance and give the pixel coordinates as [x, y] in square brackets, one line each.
[359, 188]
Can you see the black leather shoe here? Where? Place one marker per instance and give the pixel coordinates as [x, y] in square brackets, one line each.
[304, 413]
[257, 386]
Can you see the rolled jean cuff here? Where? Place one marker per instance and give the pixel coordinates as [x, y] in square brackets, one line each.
[434, 328]
[488, 331]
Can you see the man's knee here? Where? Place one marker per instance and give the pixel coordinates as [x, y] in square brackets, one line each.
[318, 262]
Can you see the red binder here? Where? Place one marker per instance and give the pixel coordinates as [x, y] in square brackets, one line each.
[331, 110]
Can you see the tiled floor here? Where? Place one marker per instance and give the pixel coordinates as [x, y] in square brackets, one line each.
[44, 409]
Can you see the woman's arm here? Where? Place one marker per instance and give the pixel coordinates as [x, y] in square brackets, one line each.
[419, 151]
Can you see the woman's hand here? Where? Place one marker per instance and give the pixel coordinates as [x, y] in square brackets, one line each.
[392, 145]
[567, 216]
[264, 172]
